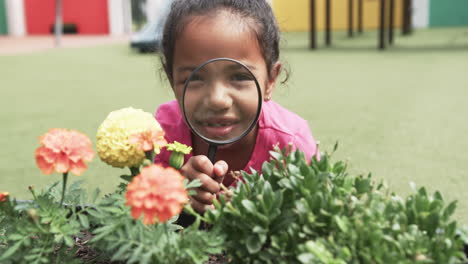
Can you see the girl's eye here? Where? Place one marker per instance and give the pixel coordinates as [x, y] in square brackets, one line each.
[192, 79]
[195, 77]
[241, 77]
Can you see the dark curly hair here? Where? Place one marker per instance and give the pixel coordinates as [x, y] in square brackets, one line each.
[256, 12]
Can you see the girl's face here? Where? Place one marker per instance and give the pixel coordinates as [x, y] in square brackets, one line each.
[221, 102]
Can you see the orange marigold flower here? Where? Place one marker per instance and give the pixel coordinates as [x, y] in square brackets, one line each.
[4, 196]
[63, 150]
[148, 140]
[158, 193]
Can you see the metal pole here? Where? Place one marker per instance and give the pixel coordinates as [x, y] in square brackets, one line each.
[410, 16]
[404, 17]
[58, 23]
[328, 22]
[407, 10]
[350, 18]
[382, 25]
[313, 42]
[360, 11]
[391, 21]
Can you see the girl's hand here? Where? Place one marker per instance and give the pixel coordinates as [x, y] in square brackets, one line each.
[210, 176]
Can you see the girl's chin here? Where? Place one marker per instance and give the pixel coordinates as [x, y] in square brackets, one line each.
[226, 146]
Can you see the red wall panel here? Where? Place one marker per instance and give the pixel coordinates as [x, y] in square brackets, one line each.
[90, 16]
[39, 16]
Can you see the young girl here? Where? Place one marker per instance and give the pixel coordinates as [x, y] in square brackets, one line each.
[245, 30]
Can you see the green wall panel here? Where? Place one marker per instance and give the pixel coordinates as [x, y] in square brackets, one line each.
[448, 13]
[3, 18]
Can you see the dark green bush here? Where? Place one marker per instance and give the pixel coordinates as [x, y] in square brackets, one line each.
[295, 212]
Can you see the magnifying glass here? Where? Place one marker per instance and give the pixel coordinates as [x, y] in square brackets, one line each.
[221, 102]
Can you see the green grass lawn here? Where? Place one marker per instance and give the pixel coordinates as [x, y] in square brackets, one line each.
[400, 114]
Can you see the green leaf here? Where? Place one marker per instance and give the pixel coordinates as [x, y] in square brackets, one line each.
[275, 155]
[146, 258]
[84, 220]
[450, 209]
[266, 169]
[306, 258]
[136, 254]
[268, 195]
[341, 223]
[362, 185]
[113, 210]
[122, 250]
[69, 241]
[102, 232]
[193, 184]
[249, 206]
[127, 178]
[11, 250]
[15, 237]
[253, 244]
[95, 195]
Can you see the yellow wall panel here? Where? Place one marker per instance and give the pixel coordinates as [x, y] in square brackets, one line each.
[293, 15]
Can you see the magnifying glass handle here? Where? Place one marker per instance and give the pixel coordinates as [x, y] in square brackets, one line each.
[212, 152]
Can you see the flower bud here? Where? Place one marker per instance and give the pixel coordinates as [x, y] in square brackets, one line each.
[32, 214]
[147, 162]
[176, 160]
[420, 257]
[178, 151]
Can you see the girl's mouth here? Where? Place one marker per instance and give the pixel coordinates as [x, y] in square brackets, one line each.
[217, 130]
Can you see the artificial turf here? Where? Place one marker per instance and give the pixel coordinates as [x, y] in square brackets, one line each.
[400, 114]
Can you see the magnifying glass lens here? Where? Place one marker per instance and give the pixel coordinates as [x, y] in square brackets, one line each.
[221, 101]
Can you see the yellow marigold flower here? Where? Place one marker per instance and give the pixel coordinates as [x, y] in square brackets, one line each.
[113, 135]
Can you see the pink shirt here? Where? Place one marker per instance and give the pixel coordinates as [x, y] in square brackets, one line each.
[276, 125]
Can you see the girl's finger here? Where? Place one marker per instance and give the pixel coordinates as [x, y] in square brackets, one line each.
[204, 197]
[200, 207]
[220, 169]
[208, 184]
[202, 164]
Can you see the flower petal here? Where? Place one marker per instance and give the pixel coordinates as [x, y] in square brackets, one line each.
[46, 167]
[78, 167]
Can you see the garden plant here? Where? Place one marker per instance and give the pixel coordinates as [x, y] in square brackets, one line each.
[293, 211]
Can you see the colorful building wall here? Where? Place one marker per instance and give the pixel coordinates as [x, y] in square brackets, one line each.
[293, 15]
[3, 18]
[448, 13]
[90, 16]
[420, 13]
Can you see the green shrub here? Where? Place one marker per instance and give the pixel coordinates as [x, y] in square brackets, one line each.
[295, 212]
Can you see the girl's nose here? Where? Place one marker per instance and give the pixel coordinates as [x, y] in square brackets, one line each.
[218, 97]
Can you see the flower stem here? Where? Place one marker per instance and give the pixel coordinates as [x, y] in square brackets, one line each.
[134, 171]
[31, 189]
[150, 155]
[166, 229]
[223, 187]
[64, 186]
